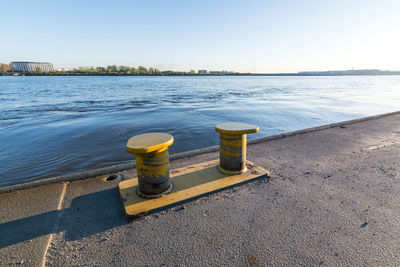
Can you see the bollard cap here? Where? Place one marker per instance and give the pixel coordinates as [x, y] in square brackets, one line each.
[236, 128]
[148, 142]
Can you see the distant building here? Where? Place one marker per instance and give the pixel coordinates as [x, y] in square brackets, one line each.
[25, 66]
[202, 71]
[216, 72]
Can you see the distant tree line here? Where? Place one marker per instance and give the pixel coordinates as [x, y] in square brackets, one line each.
[4, 68]
[112, 70]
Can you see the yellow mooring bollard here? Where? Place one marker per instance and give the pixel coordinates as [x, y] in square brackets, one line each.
[142, 195]
[152, 163]
[232, 146]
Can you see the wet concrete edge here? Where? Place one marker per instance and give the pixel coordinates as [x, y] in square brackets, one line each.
[126, 166]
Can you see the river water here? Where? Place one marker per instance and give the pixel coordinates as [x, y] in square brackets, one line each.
[52, 126]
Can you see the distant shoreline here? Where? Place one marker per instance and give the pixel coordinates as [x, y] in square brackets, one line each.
[196, 75]
[141, 71]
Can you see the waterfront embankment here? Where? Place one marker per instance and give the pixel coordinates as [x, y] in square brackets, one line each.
[332, 199]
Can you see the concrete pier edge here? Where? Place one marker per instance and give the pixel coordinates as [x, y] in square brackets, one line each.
[121, 167]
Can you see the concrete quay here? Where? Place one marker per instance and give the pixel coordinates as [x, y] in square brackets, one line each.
[332, 200]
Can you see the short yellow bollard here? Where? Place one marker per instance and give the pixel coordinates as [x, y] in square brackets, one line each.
[232, 146]
[152, 163]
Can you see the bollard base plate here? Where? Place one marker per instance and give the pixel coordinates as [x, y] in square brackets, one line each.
[189, 183]
[140, 194]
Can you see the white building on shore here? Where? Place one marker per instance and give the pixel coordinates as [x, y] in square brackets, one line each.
[26, 66]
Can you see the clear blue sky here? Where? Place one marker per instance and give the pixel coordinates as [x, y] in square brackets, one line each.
[253, 36]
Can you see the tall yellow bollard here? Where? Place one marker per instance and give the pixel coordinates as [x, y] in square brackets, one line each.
[152, 163]
[232, 146]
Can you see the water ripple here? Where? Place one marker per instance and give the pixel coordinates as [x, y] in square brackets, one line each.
[57, 125]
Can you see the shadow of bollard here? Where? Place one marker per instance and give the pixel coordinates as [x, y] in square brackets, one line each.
[87, 215]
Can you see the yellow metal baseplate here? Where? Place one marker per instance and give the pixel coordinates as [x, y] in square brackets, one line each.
[189, 182]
